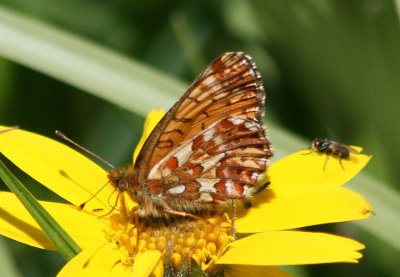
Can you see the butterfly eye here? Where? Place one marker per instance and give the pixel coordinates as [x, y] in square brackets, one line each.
[123, 184]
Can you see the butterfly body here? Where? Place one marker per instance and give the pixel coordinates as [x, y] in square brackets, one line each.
[209, 148]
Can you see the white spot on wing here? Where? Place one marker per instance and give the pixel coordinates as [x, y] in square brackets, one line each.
[155, 173]
[236, 120]
[251, 151]
[209, 80]
[207, 164]
[176, 190]
[207, 185]
[205, 197]
[245, 190]
[183, 154]
[250, 163]
[207, 136]
[229, 187]
[251, 126]
[255, 175]
[166, 171]
[260, 177]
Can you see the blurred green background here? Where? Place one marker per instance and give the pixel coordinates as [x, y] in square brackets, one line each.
[93, 68]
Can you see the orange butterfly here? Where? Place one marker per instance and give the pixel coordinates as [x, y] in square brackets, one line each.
[209, 148]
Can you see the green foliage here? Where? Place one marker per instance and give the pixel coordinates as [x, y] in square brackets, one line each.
[330, 68]
[63, 242]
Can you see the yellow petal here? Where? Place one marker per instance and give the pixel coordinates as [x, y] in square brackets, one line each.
[151, 121]
[121, 270]
[302, 168]
[17, 223]
[254, 271]
[99, 260]
[145, 263]
[60, 168]
[292, 248]
[158, 270]
[280, 208]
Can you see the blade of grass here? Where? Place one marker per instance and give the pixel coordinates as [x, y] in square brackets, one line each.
[64, 243]
[188, 42]
[7, 264]
[84, 65]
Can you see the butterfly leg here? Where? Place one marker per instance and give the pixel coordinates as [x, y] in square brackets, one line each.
[184, 214]
[234, 216]
[136, 223]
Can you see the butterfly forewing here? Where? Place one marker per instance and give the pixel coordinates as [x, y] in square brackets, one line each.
[211, 146]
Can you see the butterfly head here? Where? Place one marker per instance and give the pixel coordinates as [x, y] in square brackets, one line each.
[124, 179]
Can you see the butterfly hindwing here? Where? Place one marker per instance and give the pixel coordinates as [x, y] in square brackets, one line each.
[223, 162]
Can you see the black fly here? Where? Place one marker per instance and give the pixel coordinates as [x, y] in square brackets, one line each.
[330, 147]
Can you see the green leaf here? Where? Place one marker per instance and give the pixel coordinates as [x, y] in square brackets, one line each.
[64, 243]
[7, 265]
[84, 65]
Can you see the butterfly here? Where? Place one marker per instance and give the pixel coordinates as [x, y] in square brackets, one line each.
[209, 148]
[330, 147]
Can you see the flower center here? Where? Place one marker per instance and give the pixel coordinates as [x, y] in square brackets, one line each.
[178, 238]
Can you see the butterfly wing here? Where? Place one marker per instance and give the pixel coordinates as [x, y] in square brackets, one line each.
[211, 145]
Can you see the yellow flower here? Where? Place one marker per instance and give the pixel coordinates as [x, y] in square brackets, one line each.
[301, 194]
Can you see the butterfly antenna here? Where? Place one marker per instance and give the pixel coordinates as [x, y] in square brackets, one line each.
[64, 137]
[81, 206]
